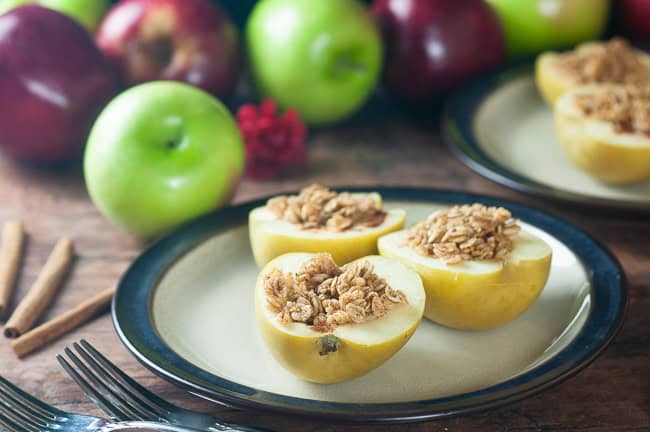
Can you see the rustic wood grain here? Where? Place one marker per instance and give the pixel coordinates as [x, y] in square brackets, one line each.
[613, 394]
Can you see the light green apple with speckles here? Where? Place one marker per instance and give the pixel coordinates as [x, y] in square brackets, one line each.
[87, 12]
[160, 154]
[322, 57]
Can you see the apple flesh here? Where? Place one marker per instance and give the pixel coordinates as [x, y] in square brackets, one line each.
[53, 83]
[595, 147]
[160, 154]
[434, 45]
[532, 26]
[321, 57]
[192, 41]
[350, 350]
[270, 237]
[87, 12]
[477, 295]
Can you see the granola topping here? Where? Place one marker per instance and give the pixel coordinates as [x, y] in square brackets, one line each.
[609, 62]
[317, 207]
[323, 295]
[627, 108]
[467, 232]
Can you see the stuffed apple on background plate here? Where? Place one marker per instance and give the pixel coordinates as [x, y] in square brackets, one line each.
[193, 296]
[502, 128]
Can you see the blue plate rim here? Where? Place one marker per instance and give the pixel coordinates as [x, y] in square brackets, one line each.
[457, 125]
[137, 332]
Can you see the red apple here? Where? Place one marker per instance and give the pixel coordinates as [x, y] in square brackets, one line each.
[53, 83]
[182, 40]
[634, 17]
[434, 45]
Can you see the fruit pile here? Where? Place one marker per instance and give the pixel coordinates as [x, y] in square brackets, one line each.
[172, 146]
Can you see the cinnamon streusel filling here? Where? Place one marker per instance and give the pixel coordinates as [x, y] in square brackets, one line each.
[323, 295]
[465, 233]
[626, 108]
[609, 62]
[317, 207]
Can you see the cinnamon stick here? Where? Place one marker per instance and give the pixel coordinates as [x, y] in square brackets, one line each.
[10, 254]
[52, 330]
[42, 291]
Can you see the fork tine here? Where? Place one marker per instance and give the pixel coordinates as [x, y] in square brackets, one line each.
[152, 399]
[94, 395]
[11, 417]
[152, 412]
[35, 404]
[134, 412]
[20, 417]
[8, 424]
[15, 407]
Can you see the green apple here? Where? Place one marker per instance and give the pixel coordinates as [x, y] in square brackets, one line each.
[532, 26]
[162, 153]
[87, 12]
[321, 57]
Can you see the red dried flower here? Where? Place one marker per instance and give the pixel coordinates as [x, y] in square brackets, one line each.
[273, 141]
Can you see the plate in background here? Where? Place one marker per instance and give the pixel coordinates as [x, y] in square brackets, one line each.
[502, 129]
[185, 310]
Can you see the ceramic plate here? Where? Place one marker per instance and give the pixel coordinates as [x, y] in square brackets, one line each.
[502, 129]
[185, 310]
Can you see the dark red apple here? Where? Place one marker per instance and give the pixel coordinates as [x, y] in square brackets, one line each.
[53, 83]
[434, 45]
[633, 18]
[183, 40]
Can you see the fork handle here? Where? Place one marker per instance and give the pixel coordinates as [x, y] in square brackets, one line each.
[145, 426]
[229, 427]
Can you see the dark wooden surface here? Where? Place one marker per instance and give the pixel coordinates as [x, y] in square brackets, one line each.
[613, 394]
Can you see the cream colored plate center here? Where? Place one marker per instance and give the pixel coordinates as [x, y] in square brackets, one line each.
[204, 311]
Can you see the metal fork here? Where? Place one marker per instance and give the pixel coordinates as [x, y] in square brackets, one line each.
[21, 412]
[121, 398]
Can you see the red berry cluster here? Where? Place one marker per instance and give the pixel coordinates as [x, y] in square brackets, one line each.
[273, 141]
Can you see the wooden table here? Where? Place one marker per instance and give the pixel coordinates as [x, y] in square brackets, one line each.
[613, 394]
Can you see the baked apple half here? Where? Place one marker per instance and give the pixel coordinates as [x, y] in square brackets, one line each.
[479, 269]
[345, 225]
[613, 62]
[605, 131]
[328, 324]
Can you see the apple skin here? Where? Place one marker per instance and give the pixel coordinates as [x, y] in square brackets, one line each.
[53, 83]
[162, 153]
[87, 12]
[192, 41]
[433, 46]
[532, 26]
[634, 18]
[321, 57]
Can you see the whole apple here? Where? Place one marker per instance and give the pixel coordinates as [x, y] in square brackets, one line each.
[162, 153]
[321, 57]
[192, 41]
[87, 12]
[434, 45]
[532, 26]
[633, 18]
[53, 83]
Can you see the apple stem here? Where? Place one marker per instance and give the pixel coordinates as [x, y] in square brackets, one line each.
[329, 344]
